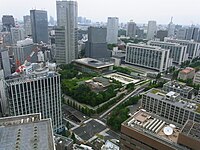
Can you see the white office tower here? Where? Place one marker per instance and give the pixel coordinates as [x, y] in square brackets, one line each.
[171, 28]
[27, 25]
[193, 48]
[131, 29]
[151, 57]
[112, 30]
[177, 51]
[66, 40]
[17, 34]
[151, 30]
[36, 89]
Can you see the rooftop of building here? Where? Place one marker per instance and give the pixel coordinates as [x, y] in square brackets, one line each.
[181, 41]
[94, 63]
[187, 70]
[62, 141]
[191, 129]
[165, 43]
[174, 98]
[179, 85]
[153, 126]
[26, 132]
[144, 46]
[31, 72]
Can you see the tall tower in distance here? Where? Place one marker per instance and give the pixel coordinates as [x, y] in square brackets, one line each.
[8, 22]
[131, 29]
[27, 25]
[151, 30]
[112, 30]
[96, 46]
[171, 28]
[67, 13]
[39, 26]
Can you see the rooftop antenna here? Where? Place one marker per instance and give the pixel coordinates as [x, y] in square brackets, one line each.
[171, 19]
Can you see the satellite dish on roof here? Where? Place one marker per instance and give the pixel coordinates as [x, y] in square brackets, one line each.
[168, 130]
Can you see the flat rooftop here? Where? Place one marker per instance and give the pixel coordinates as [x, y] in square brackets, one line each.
[153, 126]
[174, 99]
[94, 63]
[165, 43]
[180, 41]
[26, 135]
[31, 77]
[192, 129]
[122, 78]
[144, 46]
[179, 85]
[89, 129]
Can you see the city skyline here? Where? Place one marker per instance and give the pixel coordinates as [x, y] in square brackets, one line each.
[126, 12]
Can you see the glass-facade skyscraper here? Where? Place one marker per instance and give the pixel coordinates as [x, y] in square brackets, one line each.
[39, 25]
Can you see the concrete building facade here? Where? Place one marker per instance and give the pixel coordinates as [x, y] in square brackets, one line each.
[151, 57]
[38, 91]
[196, 79]
[27, 25]
[96, 46]
[179, 87]
[67, 34]
[193, 48]
[177, 51]
[17, 34]
[151, 30]
[131, 29]
[112, 30]
[170, 106]
[147, 131]
[187, 73]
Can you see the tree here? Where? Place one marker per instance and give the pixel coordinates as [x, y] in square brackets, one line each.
[73, 137]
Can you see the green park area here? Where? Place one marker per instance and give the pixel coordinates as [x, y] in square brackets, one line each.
[72, 83]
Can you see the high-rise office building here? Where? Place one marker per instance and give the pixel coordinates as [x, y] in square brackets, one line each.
[5, 61]
[131, 29]
[26, 132]
[192, 33]
[27, 25]
[96, 46]
[181, 33]
[37, 90]
[161, 34]
[112, 30]
[140, 33]
[171, 28]
[151, 30]
[177, 51]
[151, 57]
[193, 48]
[17, 34]
[67, 32]
[25, 50]
[8, 22]
[39, 26]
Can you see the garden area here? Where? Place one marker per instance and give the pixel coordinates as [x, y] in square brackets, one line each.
[72, 83]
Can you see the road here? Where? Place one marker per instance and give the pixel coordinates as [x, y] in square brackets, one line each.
[133, 93]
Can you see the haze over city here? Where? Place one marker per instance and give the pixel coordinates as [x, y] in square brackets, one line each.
[184, 12]
[99, 74]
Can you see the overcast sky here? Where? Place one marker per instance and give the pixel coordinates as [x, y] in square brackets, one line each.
[184, 11]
